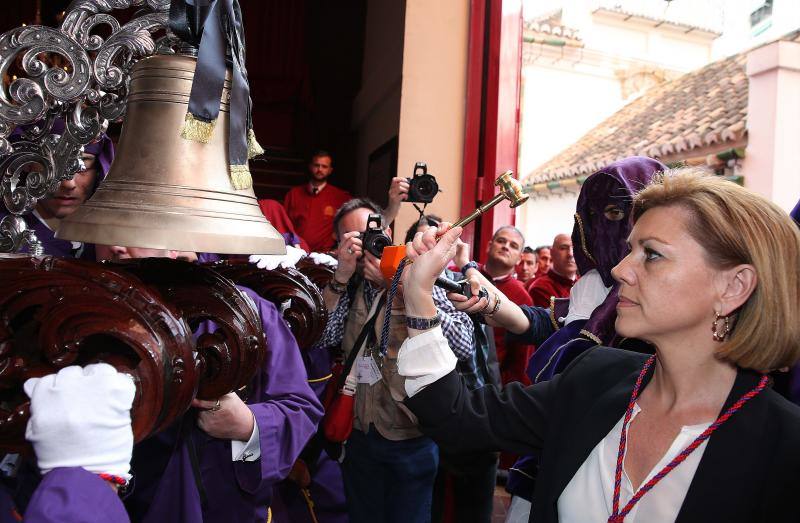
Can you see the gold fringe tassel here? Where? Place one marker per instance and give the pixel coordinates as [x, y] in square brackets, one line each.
[253, 147]
[240, 177]
[197, 130]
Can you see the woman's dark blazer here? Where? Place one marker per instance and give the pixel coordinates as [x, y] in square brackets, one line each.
[749, 472]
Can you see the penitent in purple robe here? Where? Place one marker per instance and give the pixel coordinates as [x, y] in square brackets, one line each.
[103, 150]
[286, 411]
[54, 246]
[70, 495]
[326, 501]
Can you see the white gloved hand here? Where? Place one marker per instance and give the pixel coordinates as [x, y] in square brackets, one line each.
[81, 417]
[585, 296]
[324, 259]
[273, 261]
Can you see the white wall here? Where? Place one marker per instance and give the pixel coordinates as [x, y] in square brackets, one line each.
[738, 35]
[558, 107]
[771, 166]
[567, 91]
[541, 219]
[433, 100]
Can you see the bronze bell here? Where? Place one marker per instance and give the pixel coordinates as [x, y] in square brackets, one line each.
[166, 192]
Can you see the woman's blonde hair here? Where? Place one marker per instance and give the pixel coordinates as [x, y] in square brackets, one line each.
[736, 226]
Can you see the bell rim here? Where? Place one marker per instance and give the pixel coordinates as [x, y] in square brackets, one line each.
[107, 227]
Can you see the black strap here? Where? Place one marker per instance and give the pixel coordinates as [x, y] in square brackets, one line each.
[186, 435]
[186, 21]
[369, 328]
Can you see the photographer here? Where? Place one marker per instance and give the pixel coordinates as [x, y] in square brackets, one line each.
[420, 188]
[398, 193]
[389, 466]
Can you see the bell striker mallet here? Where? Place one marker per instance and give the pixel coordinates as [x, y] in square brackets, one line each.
[509, 189]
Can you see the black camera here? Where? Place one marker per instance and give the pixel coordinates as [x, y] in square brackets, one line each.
[461, 287]
[373, 240]
[423, 185]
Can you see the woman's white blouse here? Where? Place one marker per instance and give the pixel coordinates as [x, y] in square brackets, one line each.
[588, 497]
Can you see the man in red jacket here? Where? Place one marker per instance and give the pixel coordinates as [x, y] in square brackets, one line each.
[560, 278]
[504, 251]
[311, 207]
[526, 268]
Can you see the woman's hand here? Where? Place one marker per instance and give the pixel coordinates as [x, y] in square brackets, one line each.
[429, 259]
[232, 419]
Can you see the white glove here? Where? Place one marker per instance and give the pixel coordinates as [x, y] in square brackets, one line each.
[273, 261]
[585, 296]
[81, 417]
[324, 259]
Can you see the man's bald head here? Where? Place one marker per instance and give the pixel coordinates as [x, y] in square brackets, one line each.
[504, 250]
[512, 229]
[563, 259]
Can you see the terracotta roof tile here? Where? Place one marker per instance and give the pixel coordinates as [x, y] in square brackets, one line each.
[701, 108]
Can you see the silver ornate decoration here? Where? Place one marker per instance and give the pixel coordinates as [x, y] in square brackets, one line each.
[74, 75]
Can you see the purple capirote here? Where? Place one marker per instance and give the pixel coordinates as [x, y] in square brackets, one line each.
[603, 222]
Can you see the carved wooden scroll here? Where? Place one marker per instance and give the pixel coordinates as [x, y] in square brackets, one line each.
[229, 336]
[56, 312]
[320, 274]
[297, 297]
[138, 315]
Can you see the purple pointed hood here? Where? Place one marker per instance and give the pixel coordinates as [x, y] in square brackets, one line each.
[603, 213]
[795, 214]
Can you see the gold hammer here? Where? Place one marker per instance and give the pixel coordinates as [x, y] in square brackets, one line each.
[510, 189]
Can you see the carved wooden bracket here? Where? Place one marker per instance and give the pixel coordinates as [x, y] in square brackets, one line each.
[320, 274]
[181, 330]
[56, 312]
[137, 315]
[229, 337]
[297, 297]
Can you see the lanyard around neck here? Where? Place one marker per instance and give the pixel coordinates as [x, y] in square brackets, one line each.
[618, 516]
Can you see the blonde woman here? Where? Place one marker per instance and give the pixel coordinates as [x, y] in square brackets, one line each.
[693, 433]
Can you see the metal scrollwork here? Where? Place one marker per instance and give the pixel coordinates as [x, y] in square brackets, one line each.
[69, 73]
[13, 235]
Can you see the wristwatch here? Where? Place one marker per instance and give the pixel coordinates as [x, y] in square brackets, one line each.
[423, 324]
[469, 265]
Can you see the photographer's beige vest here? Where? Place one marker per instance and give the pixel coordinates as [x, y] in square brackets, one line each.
[381, 403]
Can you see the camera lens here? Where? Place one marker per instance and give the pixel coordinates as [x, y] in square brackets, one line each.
[427, 188]
[380, 243]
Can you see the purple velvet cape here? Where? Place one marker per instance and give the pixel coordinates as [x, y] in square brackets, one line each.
[600, 244]
[794, 373]
[327, 487]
